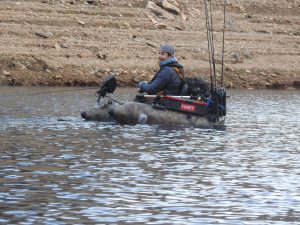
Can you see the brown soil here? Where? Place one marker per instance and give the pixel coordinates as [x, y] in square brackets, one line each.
[85, 42]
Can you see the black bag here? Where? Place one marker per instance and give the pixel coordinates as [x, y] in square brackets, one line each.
[197, 86]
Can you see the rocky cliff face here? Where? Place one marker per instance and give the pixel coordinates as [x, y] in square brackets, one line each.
[78, 42]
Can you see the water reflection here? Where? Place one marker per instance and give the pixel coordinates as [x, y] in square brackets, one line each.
[74, 172]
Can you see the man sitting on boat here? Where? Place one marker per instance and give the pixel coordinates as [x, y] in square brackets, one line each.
[170, 76]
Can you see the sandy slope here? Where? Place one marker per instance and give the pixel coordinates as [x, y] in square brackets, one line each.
[87, 41]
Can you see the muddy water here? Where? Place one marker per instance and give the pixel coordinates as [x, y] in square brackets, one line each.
[58, 169]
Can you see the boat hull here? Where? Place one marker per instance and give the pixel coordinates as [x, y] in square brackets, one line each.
[98, 114]
[140, 113]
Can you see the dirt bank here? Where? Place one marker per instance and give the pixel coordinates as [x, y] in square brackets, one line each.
[78, 42]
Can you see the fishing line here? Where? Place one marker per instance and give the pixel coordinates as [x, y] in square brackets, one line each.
[48, 92]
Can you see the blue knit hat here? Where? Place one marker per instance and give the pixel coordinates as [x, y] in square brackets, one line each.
[167, 48]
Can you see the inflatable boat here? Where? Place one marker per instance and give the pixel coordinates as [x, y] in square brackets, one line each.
[151, 109]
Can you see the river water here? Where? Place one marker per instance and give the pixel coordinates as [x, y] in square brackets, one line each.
[58, 169]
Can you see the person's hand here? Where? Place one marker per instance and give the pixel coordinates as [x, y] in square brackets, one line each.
[141, 83]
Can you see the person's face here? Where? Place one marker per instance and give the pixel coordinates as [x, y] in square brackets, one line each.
[162, 56]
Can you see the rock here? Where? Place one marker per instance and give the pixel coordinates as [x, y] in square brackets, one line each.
[161, 26]
[174, 2]
[151, 44]
[229, 69]
[154, 8]
[262, 73]
[92, 2]
[238, 57]
[58, 77]
[45, 34]
[158, 11]
[248, 16]
[48, 71]
[153, 20]
[248, 71]
[170, 7]
[19, 66]
[180, 27]
[183, 17]
[6, 73]
[81, 22]
[100, 55]
[296, 84]
[64, 45]
[57, 46]
[127, 25]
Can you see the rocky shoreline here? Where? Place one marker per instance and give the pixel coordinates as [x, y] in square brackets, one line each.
[77, 43]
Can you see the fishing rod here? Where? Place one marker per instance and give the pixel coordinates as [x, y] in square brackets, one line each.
[208, 33]
[212, 43]
[223, 48]
[218, 93]
[210, 40]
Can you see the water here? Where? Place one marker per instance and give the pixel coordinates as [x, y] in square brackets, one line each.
[58, 169]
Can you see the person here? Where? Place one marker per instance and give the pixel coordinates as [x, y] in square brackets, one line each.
[168, 80]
